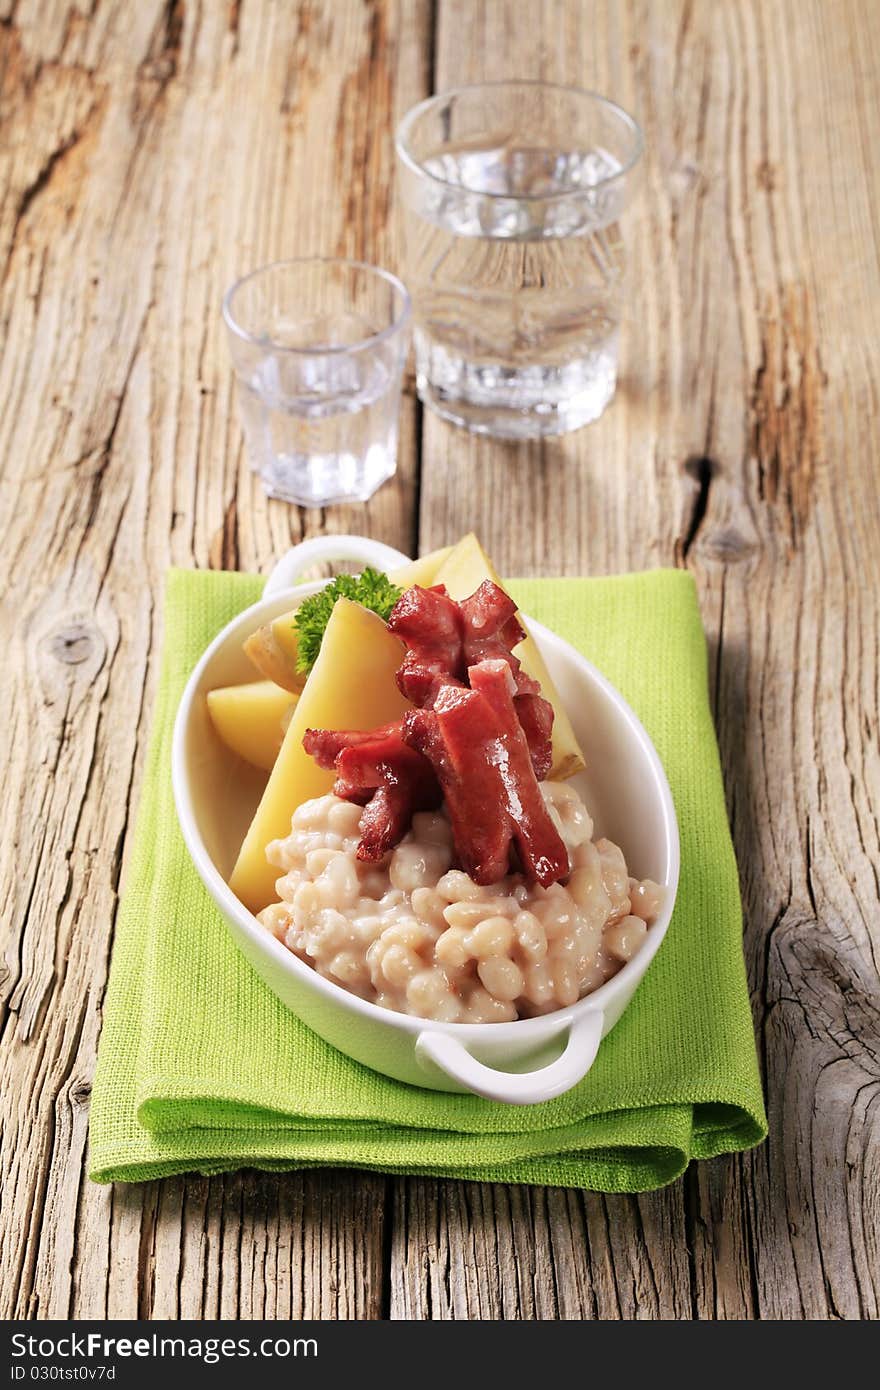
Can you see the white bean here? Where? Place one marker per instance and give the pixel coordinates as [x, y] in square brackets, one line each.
[502, 977]
[646, 899]
[483, 1008]
[344, 817]
[276, 918]
[398, 964]
[407, 931]
[565, 982]
[539, 983]
[452, 948]
[455, 885]
[349, 968]
[305, 902]
[624, 938]
[588, 891]
[531, 936]
[466, 914]
[492, 937]
[427, 992]
[415, 865]
[429, 906]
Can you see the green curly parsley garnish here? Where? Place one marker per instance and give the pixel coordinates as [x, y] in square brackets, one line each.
[371, 589]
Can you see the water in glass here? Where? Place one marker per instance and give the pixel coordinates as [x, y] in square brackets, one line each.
[318, 347]
[513, 194]
[329, 435]
[517, 299]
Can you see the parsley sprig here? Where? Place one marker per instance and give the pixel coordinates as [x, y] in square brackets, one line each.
[371, 589]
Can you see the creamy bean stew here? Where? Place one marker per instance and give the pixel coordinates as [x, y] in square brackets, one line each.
[416, 935]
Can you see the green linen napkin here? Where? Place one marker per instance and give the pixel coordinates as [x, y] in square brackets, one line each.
[201, 1068]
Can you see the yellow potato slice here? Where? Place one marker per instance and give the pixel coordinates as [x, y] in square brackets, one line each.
[421, 571]
[273, 659]
[251, 719]
[351, 686]
[287, 639]
[464, 571]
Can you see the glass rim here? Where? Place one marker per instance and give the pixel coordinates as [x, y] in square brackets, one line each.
[595, 98]
[399, 322]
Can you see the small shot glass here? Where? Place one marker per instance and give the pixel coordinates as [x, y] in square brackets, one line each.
[318, 347]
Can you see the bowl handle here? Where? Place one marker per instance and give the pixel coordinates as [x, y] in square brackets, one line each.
[517, 1088]
[329, 548]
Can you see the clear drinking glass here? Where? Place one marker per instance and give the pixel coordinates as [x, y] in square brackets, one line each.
[318, 347]
[512, 195]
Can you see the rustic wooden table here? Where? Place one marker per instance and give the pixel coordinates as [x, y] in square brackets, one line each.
[151, 151]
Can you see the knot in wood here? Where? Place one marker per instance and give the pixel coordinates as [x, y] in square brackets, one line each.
[73, 644]
[684, 178]
[727, 543]
[80, 1092]
[160, 70]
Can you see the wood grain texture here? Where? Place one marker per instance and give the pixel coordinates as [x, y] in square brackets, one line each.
[745, 445]
[150, 153]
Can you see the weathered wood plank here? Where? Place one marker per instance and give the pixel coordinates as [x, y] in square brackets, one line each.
[149, 158]
[150, 154]
[744, 444]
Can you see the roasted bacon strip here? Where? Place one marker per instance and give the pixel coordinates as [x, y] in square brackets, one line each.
[377, 770]
[543, 854]
[479, 752]
[325, 745]
[387, 817]
[535, 714]
[430, 623]
[400, 781]
[452, 736]
[490, 615]
[492, 629]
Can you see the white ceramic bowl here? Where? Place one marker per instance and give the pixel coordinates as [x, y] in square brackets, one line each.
[624, 787]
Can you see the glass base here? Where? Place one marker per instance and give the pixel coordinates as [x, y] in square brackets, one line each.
[323, 481]
[505, 423]
[531, 402]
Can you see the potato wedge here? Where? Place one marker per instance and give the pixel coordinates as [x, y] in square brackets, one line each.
[352, 685]
[421, 571]
[251, 719]
[272, 659]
